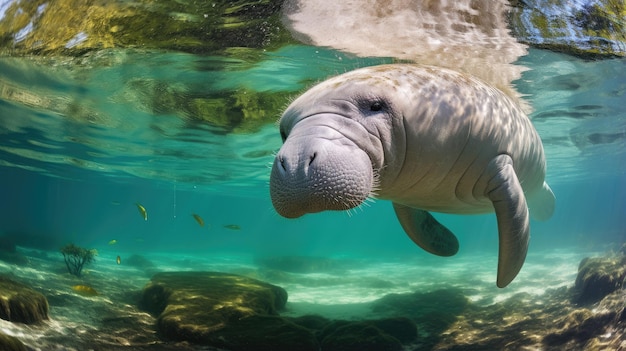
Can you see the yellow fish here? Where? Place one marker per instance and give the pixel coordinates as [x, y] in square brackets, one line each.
[232, 227]
[143, 211]
[118, 260]
[198, 219]
[84, 290]
[113, 242]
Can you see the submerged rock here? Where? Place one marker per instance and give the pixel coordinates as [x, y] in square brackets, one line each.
[223, 310]
[9, 343]
[359, 336]
[433, 311]
[384, 334]
[447, 320]
[73, 27]
[598, 277]
[19, 303]
[239, 313]
[240, 110]
[591, 28]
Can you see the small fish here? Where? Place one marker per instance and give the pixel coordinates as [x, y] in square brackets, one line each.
[143, 211]
[118, 260]
[198, 219]
[232, 227]
[115, 203]
[113, 242]
[84, 290]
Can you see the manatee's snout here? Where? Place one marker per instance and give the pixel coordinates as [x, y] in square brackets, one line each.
[313, 174]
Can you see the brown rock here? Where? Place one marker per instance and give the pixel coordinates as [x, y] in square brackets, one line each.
[598, 277]
[223, 310]
[9, 343]
[19, 303]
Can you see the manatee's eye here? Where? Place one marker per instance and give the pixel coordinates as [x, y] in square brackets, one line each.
[372, 105]
[376, 106]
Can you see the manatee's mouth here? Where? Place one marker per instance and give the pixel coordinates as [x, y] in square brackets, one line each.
[312, 174]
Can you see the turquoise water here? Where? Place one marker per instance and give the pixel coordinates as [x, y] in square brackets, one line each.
[75, 170]
[85, 140]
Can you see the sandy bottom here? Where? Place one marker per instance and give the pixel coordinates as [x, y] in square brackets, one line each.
[343, 290]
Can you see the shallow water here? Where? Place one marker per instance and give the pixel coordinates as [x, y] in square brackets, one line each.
[84, 140]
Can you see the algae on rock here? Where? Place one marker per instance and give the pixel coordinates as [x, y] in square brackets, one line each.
[590, 29]
[19, 303]
[223, 310]
[10, 343]
[73, 27]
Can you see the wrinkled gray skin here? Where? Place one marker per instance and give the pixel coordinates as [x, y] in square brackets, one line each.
[426, 138]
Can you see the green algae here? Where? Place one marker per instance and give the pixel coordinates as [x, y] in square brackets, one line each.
[591, 30]
[74, 27]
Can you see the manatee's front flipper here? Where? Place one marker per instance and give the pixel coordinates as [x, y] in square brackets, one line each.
[425, 231]
[506, 194]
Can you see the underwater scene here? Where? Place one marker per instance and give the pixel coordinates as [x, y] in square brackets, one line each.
[154, 199]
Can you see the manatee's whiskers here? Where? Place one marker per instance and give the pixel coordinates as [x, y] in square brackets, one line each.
[368, 200]
[375, 183]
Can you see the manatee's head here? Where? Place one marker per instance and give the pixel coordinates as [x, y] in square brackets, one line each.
[319, 169]
[333, 137]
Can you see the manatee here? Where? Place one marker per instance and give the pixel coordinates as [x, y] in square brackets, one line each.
[426, 138]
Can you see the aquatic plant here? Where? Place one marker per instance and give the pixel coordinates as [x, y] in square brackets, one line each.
[76, 257]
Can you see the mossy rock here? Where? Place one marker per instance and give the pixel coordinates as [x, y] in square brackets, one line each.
[239, 110]
[401, 329]
[358, 336]
[19, 303]
[578, 327]
[223, 310]
[433, 311]
[598, 277]
[10, 343]
[263, 333]
[590, 29]
[73, 27]
[313, 322]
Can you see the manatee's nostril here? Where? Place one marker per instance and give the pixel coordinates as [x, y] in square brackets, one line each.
[312, 158]
[281, 162]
